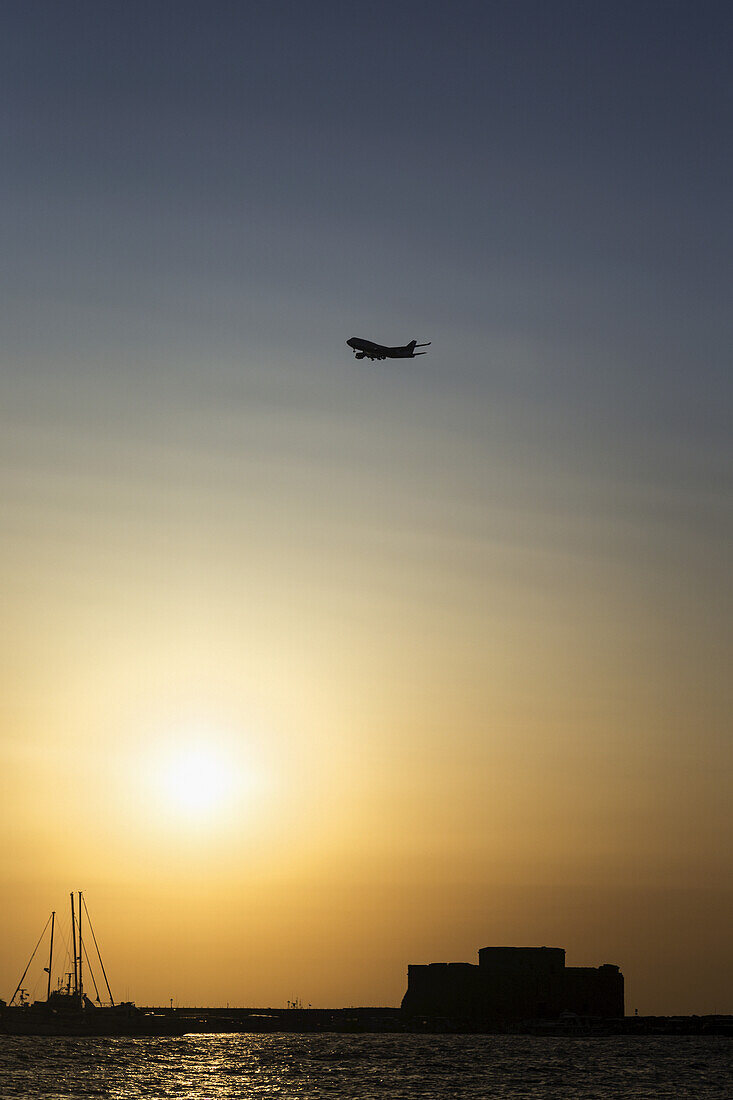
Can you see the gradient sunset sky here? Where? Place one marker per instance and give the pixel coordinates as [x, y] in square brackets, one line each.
[312, 668]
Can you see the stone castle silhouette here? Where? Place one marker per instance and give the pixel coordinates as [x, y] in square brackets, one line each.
[514, 983]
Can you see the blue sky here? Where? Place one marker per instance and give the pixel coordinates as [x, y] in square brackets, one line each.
[549, 173]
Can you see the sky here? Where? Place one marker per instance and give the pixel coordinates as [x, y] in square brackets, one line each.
[312, 668]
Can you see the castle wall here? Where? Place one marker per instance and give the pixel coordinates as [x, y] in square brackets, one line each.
[443, 989]
[594, 991]
[520, 982]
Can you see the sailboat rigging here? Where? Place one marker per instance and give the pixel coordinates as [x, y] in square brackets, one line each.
[67, 1009]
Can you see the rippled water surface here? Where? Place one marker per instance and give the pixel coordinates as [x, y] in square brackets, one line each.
[220, 1067]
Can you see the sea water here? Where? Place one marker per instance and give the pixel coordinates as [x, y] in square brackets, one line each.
[362, 1067]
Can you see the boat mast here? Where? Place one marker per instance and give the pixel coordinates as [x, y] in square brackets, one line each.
[73, 941]
[81, 986]
[50, 955]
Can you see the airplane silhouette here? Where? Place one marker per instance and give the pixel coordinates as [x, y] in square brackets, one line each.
[365, 349]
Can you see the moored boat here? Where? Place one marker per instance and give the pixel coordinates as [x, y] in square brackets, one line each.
[67, 1010]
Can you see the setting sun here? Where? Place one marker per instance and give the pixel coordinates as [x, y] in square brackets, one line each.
[196, 772]
[197, 779]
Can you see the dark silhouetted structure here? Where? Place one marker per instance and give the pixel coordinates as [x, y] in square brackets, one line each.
[514, 983]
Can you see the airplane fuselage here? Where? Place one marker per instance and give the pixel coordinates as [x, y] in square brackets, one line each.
[367, 349]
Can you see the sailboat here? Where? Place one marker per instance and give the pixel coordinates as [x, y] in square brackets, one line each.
[67, 1009]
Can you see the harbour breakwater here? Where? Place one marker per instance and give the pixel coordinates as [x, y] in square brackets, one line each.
[394, 1020]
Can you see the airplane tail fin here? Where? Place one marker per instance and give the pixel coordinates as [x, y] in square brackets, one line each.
[414, 344]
